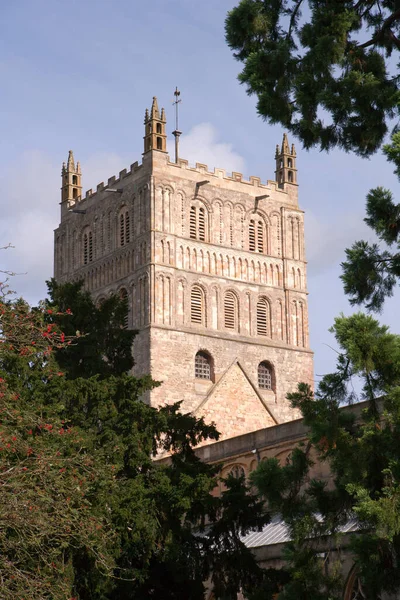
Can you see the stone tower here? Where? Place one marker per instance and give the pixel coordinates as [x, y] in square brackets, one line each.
[214, 269]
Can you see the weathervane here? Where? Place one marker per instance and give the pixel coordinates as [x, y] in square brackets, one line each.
[176, 133]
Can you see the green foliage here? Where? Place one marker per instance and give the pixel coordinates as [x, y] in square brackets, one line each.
[323, 76]
[371, 271]
[86, 510]
[102, 345]
[362, 449]
[51, 486]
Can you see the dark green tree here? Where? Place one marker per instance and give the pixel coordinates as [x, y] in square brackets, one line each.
[362, 450]
[171, 533]
[102, 344]
[372, 270]
[320, 69]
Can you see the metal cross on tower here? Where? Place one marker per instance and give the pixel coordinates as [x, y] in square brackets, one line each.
[176, 133]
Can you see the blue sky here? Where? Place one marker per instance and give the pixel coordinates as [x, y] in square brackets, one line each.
[79, 74]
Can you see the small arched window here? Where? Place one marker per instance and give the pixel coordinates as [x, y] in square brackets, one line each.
[158, 128]
[231, 311]
[74, 180]
[289, 163]
[197, 306]
[124, 228]
[197, 223]
[74, 193]
[265, 376]
[237, 472]
[256, 235]
[87, 242]
[252, 236]
[263, 317]
[203, 365]
[159, 143]
[290, 176]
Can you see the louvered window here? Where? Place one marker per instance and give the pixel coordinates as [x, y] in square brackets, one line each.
[260, 237]
[127, 228]
[202, 366]
[262, 317]
[193, 227]
[109, 232]
[265, 376]
[85, 249]
[197, 305]
[252, 236]
[230, 310]
[122, 230]
[202, 224]
[90, 246]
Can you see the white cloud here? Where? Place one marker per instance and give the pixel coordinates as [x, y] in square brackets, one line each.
[202, 145]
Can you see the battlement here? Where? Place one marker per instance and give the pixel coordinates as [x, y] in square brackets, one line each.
[183, 164]
[218, 173]
[113, 180]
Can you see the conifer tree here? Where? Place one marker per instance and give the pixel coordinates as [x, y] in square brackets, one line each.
[171, 533]
[321, 69]
[372, 271]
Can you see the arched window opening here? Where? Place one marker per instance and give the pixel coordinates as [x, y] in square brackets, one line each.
[90, 246]
[202, 224]
[127, 228]
[74, 180]
[197, 223]
[231, 311]
[85, 249]
[289, 163]
[263, 317]
[281, 163]
[158, 128]
[74, 193]
[252, 236]
[192, 228]
[197, 306]
[237, 472]
[260, 237]
[355, 589]
[256, 236]
[122, 230]
[265, 376]
[203, 365]
[290, 176]
[159, 143]
[123, 294]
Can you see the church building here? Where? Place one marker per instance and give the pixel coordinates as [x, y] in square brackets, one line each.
[213, 267]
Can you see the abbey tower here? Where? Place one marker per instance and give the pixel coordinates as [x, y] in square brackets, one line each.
[214, 270]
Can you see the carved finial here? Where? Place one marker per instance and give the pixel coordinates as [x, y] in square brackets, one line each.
[71, 162]
[78, 168]
[146, 116]
[285, 145]
[154, 109]
[163, 115]
[293, 150]
[277, 151]
[64, 168]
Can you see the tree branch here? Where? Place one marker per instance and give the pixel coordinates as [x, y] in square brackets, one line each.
[293, 17]
[380, 34]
